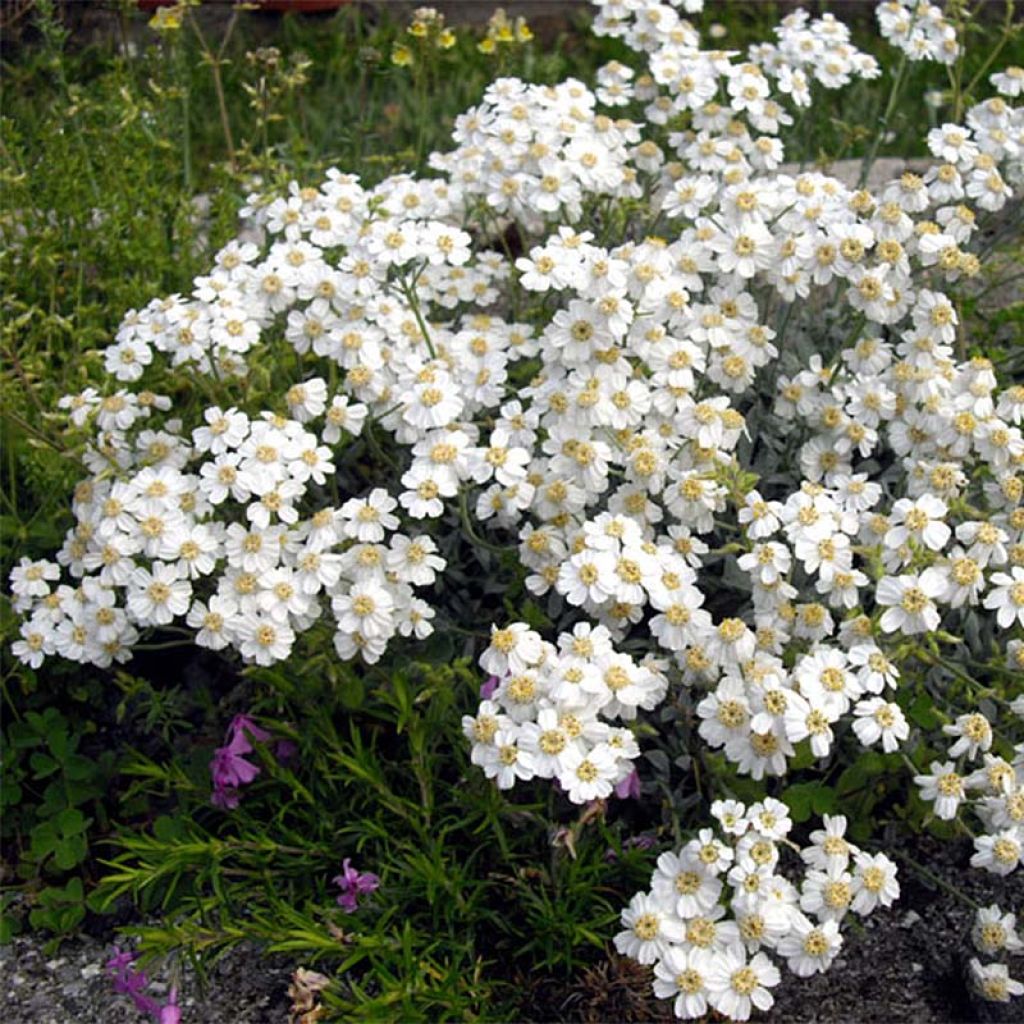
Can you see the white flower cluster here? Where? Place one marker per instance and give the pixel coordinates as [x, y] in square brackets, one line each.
[993, 934]
[551, 714]
[530, 151]
[920, 30]
[994, 790]
[209, 532]
[788, 539]
[233, 532]
[718, 907]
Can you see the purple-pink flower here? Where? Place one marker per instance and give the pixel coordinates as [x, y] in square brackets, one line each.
[629, 787]
[243, 723]
[354, 884]
[229, 768]
[130, 982]
[171, 1013]
[488, 687]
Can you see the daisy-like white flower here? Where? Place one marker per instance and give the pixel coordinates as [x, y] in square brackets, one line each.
[1000, 853]
[877, 719]
[681, 975]
[735, 985]
[505, 761]
[512, 649]
[944, 787]
[993, 982]
[920, 520]
[974, 735]
[994, 932]
[156, 598]
[684, 882]
[588, 775]
[1006, 598]
[909, 602]
[827, 894]
[651, 929]
[810, 948]
[368, 608]
[874, 882]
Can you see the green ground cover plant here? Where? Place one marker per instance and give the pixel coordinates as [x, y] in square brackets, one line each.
[491, 491]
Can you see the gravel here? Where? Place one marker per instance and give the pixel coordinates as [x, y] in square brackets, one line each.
[71, 987]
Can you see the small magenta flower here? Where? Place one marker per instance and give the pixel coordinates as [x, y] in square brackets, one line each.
[171, 1013]
[629, 787]
[354, 884]
[130, 982]
[488, 687]
[243, 723]
[285, 751]
[229, 767]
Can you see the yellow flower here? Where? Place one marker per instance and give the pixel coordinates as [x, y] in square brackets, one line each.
[401, 56]
[486, 45]
[523, 31]
[446, 40]
[167, 19]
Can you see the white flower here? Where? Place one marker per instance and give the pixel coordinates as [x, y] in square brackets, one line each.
[877, 719]
[367, 609]
[367, 519]
[588, 775]
[684, 882]
[994, 932]
[680, 974]
[919, 520]
[993, 981]
[263, 640]
[943, 786]
[512, 649]
[505, 761]
[874, 882]
[974, 734]
[155, 598]
[827, 894]
[810, 948]
[650, 929]
[908, 601]
[735, 985]
[999, 853]
[1006, 598]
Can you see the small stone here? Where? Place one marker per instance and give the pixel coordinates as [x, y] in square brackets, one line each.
[909, 919]
[916, 968]
[91, 971]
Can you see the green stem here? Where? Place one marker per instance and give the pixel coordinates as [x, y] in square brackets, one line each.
[467, 525]
[410, 297]
[883, 127]
[931, 876]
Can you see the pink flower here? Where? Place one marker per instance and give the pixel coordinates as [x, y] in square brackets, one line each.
[244, 723]
[629, 787]
[171, 1013]
[353, 885]
[229, 767]
[130, 982]
[487, 688]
